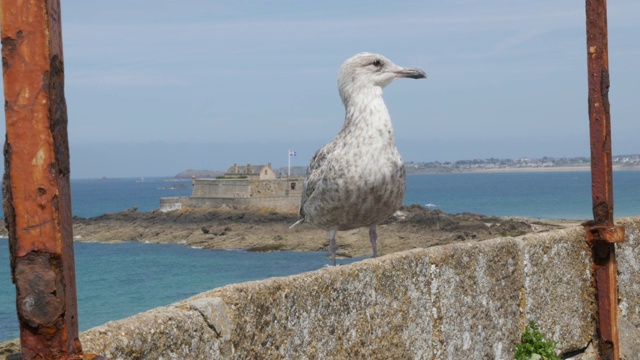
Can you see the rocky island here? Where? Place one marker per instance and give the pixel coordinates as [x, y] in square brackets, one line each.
[267, 230]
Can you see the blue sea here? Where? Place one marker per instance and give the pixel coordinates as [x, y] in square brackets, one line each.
[118, 280]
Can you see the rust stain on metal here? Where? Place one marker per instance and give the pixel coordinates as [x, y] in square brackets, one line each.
[36, 191]
[40, 290]
[605, 276]
[602, 234]
[599, 116]
[605, 234]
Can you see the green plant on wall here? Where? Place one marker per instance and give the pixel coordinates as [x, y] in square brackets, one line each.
[534, 346]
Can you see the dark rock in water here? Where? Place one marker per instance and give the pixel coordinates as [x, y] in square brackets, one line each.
[266, 248]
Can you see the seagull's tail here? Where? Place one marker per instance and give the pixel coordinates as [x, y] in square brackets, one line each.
[297, 223]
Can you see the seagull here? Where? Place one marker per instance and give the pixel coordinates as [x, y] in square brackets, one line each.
[358, 179]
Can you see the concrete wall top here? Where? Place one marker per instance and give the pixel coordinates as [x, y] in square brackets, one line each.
[458, 301]
[628, 258]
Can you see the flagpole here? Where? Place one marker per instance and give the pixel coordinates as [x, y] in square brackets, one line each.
[289, 156]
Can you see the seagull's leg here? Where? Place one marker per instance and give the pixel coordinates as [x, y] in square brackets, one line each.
[373, 236]
[332, 245]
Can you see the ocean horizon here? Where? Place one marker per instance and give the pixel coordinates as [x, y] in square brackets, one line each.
[564, 194]
[120, 280]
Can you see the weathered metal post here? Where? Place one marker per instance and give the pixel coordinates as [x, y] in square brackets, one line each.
[602, 234]
[36, 190]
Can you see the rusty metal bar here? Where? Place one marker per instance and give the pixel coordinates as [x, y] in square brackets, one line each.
[602, 234]
[36, 190]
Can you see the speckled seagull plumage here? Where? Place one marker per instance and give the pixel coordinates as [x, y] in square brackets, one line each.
[358, 179]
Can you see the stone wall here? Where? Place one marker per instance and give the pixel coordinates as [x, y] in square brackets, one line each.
[221, 188]
[172, 203]
[458, 301]
[276, 188]
[280, 203]
[244, 188]
[628, 258]
[277, 194]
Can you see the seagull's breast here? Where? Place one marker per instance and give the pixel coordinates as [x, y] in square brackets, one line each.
[363, 180]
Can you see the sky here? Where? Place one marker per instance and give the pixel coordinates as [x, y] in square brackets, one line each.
[157, 87]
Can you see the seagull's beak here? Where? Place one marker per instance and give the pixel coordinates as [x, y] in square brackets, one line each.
[412, 73]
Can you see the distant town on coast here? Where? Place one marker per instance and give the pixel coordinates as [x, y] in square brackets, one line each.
[620, 162]
[631, 162]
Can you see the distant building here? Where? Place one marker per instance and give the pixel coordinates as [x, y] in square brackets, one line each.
[250, 186]
[261, 172]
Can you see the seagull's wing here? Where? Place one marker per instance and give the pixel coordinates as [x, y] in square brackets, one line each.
[315, 173]
[314, 176]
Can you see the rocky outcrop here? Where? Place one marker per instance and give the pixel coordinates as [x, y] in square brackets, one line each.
[264, 230]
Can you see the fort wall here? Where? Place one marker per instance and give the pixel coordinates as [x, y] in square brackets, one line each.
[280, 194]
[221, 188]
[280, 203]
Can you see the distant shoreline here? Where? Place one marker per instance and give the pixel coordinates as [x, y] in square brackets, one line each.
[499, 170]
[521, 170]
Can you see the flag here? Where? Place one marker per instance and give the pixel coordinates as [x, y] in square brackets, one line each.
[292, 153]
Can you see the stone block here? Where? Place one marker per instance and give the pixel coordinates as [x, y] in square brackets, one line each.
[628, 258]
[558, 292]
[475, 291]
[170, 332]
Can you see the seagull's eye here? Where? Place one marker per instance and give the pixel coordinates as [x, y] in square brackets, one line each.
[377, 63]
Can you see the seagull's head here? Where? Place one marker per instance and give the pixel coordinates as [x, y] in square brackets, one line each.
[367, 71]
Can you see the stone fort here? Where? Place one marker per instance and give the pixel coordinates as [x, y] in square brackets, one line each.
[250, 186]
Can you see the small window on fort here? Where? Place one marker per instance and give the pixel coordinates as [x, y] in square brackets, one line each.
[293, 186]
[265, 172]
